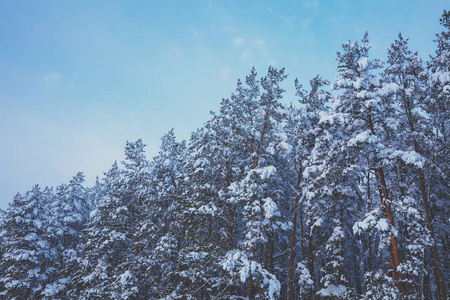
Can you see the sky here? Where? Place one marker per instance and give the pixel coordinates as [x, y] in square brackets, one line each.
[80, 78]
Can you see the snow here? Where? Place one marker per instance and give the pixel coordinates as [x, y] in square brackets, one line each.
[37, 223]
[125, 277]
[363, 137]
[372, 220]
[267, 172]
[357, 83]
[304, 279]
[363, 63]
[270, 208]
[388, 89]
[392, 123]
[237, 263]
[439, 77]
[383, 225]
[208, 209]
[317, 223]
[333, 290]
[331, 118]
[408, 157]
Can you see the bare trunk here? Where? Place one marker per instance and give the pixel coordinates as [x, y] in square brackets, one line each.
[394, 251]
[341, 246]
[291, 254]
[137, 245]
[293, 240]
[230, 217]
[370, 256]
[251, 286]
[396, 260]
[271, 246]
[230, 227]
[434, 254]
[310, 259]
[386, 205]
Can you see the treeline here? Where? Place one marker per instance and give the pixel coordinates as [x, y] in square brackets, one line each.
[342, 196]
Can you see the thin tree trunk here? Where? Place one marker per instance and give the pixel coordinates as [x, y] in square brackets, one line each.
[434, 254]
[369, 260]
[341, 246]
[386, 204]
[230, 227]
[310, 260]
[251, 286]
[271, 246]
[293, 240]
[137, 245]
[230, 216]
[396, 260]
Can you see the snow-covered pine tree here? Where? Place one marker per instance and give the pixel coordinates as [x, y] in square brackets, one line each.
[301, 130]
[208, 213]
[112, 265]
[69, 210]
[257, 127]
[166, 216]
[364, 121]
[438, 107]
[136, 182]
[403, 96]
[197, 237]
[27, 251]
[331, 195]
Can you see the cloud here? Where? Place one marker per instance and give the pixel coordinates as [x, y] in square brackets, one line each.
[246, 54]
[260, 43]
[56, 81]
[310, 3]
[306, 23]
[198, 33]
[239, 41]
[206, 54]
[261, 46]
[52, 79]
[225, 72]
[274, 62]
[177, 52]
[288, 21]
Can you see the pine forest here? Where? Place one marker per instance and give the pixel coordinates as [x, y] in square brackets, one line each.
[342, 195]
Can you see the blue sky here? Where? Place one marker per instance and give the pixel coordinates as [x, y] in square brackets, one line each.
[80, 78]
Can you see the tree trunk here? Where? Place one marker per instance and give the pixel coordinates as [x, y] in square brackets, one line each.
[434, 254]
[310, 259]
[341, 245]
[396, 260]
[386, 205]
[137, 245]
[230, 215]
[271, 246]
[251, 286]
[291, 254]
[293, 240]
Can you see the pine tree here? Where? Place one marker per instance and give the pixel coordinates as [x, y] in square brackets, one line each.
[69, 211]
[301, 129]
[111, 264]
[256, 120]
[26, 253]
[403, 94]
[438, 106]
[364, 118]
[166, 216]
